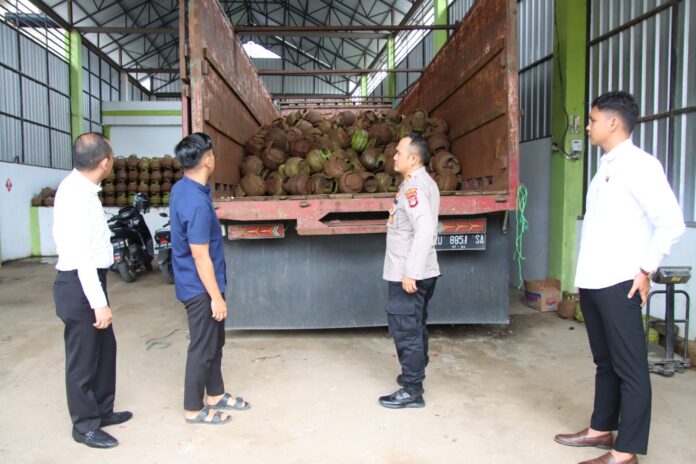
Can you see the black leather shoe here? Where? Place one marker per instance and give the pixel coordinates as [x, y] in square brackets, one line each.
[116, 418]
[96, 438]
[401, 399]
[401, 382]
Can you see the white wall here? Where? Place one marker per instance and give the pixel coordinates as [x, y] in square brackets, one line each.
[48, 247]
[15, 205]
[144, 128]
[150, 141]
[27, 181]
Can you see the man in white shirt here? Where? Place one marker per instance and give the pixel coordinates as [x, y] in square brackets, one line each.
[83, 242]
[631, 222]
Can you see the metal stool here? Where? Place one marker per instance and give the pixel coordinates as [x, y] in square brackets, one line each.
[670, 276]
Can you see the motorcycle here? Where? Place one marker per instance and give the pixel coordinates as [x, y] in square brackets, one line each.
[131, 239]
[163, 245]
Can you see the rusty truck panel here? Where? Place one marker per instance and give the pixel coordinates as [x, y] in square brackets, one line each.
[223, 95]
[472, 84]
[316, 261]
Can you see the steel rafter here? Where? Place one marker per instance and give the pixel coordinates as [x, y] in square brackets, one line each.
[121, 42]
[318, 45]
[324, 42]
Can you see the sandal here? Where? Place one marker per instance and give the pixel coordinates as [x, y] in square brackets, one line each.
[224, 403]
[202, 417]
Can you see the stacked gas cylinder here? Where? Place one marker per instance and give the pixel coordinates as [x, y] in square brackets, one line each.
[308, 153]
[44, 198]
[151, 176]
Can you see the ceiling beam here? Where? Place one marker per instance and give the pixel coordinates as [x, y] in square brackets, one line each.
[48, 11]
[128, 30]
[337, 35]
[340, 72]
[143, 70]
[279, 30]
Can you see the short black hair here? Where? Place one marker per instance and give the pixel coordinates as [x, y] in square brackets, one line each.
[419, 147]
[89, 149]
[191, 149]
[621, 103]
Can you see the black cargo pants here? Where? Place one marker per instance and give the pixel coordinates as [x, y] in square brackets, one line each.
[407, 315]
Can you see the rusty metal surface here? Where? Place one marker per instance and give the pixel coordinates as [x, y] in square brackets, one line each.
[330, 96]
[331, 109]
[472, 84]
[309, 212]
[226, 98]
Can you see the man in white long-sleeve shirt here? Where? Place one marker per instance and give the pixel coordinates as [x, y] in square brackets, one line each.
[83, 242]
[632, 221]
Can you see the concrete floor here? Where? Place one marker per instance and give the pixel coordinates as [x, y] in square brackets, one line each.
[493, 395]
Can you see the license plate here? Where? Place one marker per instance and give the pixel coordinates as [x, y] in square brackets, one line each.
[163, 246]
[460, 242]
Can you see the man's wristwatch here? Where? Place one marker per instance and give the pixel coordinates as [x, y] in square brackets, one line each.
[647, 274]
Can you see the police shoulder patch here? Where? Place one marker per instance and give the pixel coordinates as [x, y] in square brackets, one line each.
[412, 197]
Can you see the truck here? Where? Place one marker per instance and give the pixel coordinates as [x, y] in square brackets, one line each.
[315, 262]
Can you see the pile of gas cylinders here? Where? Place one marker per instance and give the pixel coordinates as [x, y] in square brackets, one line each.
[310, 153]
[151, 176]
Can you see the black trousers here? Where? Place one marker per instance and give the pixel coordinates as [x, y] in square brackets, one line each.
[203, 373]
[407, 316]
[90, 354]
[622, 382]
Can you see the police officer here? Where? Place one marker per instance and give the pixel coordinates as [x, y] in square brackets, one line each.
[411, 269]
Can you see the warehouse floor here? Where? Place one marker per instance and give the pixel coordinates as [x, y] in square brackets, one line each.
[493, 395]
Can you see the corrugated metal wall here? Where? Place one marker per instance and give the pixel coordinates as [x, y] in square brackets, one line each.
[35, 103]
[100, 82]
[163, 85]
[535, 32]
[298, 84]
[535, 61]
[458, 9]
[646, 47]
[274, 84]
[412, 49]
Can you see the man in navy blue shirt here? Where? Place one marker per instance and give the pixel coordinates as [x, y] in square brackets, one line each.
[198, 262]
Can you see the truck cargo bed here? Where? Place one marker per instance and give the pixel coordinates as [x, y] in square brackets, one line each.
[315, 261]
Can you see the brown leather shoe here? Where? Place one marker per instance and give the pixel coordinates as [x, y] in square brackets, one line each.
[608, 458]
[581, 439]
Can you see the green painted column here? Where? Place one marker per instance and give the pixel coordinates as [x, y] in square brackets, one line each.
[76, 84]
[567, 174]
[441, 19]
[391, 77]
[35, 231]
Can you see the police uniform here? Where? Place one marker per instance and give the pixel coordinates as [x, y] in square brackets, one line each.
[411, 237]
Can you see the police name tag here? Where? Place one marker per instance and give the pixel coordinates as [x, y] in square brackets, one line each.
[460, 242]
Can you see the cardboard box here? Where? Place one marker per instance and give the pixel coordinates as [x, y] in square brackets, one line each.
[543, 295]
